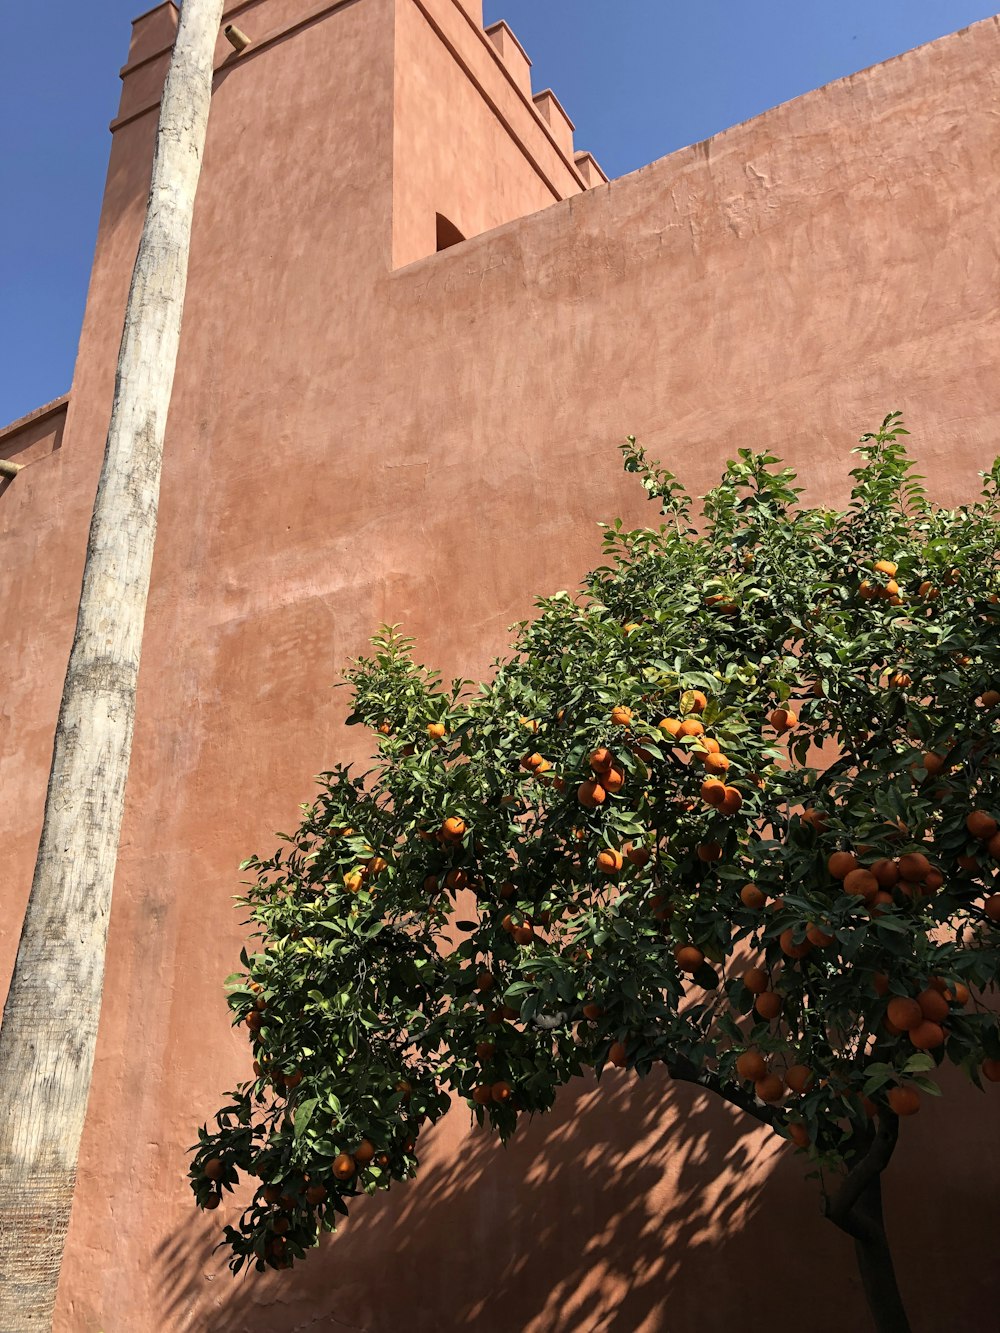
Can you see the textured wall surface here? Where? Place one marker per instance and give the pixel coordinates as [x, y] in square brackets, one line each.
[358, 438]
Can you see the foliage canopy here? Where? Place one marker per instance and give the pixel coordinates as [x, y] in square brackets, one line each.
[733, 808]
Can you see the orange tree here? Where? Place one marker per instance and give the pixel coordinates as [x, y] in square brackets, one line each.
[733, 810]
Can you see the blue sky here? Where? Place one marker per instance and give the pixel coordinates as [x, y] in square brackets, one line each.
[639, 77]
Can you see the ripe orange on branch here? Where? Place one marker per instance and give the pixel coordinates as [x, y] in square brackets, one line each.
[904, 1013]
[783, 719]
[610, 861]
[751, 1066]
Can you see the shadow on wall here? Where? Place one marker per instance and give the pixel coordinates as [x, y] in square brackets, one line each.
[631, 1208]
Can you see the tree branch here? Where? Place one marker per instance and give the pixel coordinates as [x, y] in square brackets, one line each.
[687, 1072]
[840, 1209]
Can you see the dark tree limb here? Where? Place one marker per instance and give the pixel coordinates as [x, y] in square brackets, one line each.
[841, 1209]
[685, 1071]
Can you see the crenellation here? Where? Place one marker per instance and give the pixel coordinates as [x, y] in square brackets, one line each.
[590, 169]
[152, 32]
[553, 113]
[513, 55]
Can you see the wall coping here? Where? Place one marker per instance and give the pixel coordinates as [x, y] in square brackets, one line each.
[38, 414]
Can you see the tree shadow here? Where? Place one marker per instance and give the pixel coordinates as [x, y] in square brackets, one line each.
[633, 1207]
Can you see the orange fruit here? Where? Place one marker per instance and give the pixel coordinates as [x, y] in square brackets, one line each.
[610, 861]
[933, 1005]
[900, 680]
[706, 745]
[453, 828]
[713, 791]
[592, 1011]
[798, 1134]
[958, 994]
[799, 1078]
[485, 1049]
[818, 937]
[914, 866]
[751, 896]
[768, 1005]
[716, 763]
[709, 851]
[436, 730]
[751, 1066]
[523, 934]
[591, 794]
[212, 1170]
[691, 727]
[601, 759]
[861, 882]
[934, 763]
[793, 950]
[885, 871]
[783, 719]
[815, 819]
[343, 1166]
[670, 726]
[212, 1200]
[688, 958]
[904, 1013]
[732, 802]
[904, 1101]
[533, 762]
[886, 567]
[993, 846]
[990, 698]
[502, 1091]
[981, 825]
[315, 1194]
[456, 879]
[840, 864]
[483, 1094]
[639, 856]
[756, 980]
[770, 1088]
[621, 716]
[927, 1035]
[618, 1054]
[698, 702]
[613, 780]
[991, 1070]
[992, 907]
[364, 1152]
[485, 982]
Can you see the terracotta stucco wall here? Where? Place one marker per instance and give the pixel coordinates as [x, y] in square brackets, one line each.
[351, 443]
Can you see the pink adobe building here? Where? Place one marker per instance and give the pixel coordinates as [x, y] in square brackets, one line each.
[368, 427]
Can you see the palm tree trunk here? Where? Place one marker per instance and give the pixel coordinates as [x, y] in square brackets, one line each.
[49, 1025]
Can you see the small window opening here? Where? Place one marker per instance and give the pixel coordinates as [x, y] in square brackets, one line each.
[447, 233]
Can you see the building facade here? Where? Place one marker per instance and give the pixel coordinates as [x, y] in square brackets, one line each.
[418, 321]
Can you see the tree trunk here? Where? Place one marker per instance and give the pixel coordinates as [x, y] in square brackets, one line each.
[50, 1019]
[878, 1276]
